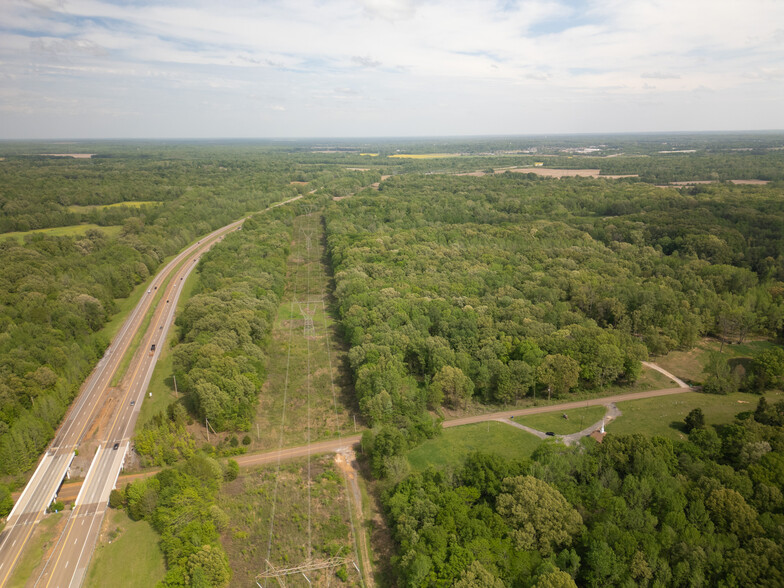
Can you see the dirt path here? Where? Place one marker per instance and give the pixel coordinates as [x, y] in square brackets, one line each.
[346, 461]
[333, 445]
[661, 370]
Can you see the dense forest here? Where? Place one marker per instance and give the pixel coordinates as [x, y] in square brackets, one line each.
[495, 288]
[631, 511]
[58, 292]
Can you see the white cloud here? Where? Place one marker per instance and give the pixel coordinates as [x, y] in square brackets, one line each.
[397, 62]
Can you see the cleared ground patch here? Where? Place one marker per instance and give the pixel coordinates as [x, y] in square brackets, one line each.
[664, 415]
[69, 231]
[265, 499]
[128, 204]
[452, 447]
[122, 543]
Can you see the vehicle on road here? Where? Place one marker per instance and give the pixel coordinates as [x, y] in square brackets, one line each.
[550, 434]
[133, 402]
[152, 348]
[116, 446]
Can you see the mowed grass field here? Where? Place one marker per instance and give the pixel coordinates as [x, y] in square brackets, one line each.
[664, 416]
[577, 420]
[69, 231]
[127, 554]
[452, 447]
[270, 516]
[305, 372]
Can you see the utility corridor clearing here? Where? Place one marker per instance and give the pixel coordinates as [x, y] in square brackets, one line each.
[298, 515]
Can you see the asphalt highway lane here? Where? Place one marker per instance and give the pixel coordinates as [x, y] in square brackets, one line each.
[53, 466]
[68, 563]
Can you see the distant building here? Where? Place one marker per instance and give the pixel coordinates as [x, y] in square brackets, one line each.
[538, 163]
[598, 436]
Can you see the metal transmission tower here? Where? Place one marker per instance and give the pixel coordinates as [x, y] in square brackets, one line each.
[310, 565]
[307, 314]
[308, 234]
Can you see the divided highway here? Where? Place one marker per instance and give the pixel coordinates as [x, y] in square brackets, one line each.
[68, 563]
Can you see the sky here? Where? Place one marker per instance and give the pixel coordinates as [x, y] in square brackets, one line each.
[387, 68]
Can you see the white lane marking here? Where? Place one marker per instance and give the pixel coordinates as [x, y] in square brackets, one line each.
[66, 564]
[75, 540]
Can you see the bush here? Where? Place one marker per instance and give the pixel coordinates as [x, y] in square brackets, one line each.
[246, 440]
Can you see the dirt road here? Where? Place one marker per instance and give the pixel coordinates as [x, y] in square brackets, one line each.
[250, 460]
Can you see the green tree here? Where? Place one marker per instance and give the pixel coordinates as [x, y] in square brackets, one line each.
[720, 377]
[555, 579]
[559, 373]
[209, 568]
[538, 515]
[767, 369]
[694, 420]
[6, 502]
[455, 386]
[477, 576]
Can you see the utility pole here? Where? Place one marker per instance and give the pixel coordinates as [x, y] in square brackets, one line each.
[176, 394]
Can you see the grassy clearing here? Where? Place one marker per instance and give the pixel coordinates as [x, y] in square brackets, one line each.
[454, 444]
[124, 542]
[135, 204]
[304, 366]
[248, 502]
[689, 365]
[69, 231]
[578, 419]
[33, 555]
[664, 415]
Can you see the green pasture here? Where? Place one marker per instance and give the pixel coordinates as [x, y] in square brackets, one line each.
[452, 447]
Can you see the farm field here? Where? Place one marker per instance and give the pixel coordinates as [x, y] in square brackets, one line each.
[70, 231]
[128, 204]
